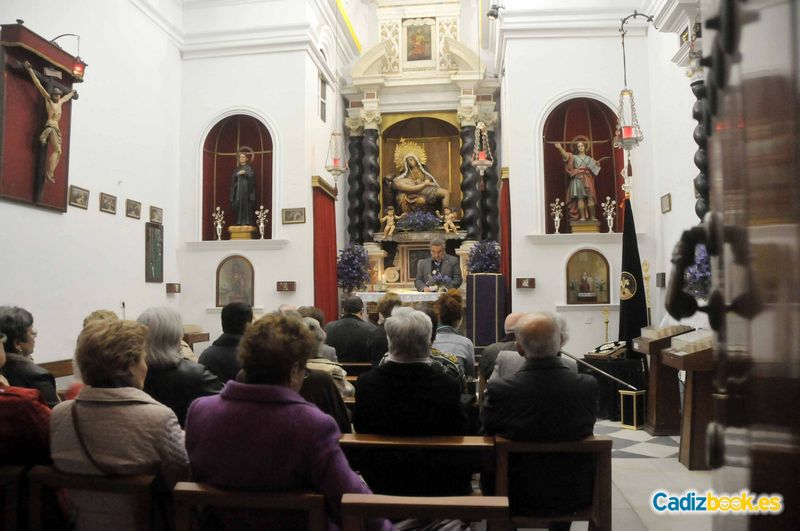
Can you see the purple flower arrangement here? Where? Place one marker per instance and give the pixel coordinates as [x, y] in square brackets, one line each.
[438, 279]
[418, 221]
[484, 257]
[698, 275]
[352, 267]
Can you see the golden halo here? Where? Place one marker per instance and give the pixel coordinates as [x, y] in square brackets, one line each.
[581, 138]
[406, 148]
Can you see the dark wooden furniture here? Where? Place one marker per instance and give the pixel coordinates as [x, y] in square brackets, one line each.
[663, 396]
[357, 507]
[630, 371]
[140, 488]
[196, 337]
[697, 403]
[59, 368]
[598, 514]
[10, 481]
[187, 494]
[355, 368]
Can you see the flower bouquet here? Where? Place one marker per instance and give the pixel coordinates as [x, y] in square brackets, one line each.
[484, 257]
[418, 221]
[442, 282]
[352, 268]
[698, 275]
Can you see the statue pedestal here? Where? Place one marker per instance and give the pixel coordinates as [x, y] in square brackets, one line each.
[585, 226]
[241, 232]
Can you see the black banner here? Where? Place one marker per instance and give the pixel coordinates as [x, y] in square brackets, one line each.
[632, 298]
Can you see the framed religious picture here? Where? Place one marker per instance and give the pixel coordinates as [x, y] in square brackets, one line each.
[293, 215]
[133, 209]
[79, 197]
[108, 203]
[587, 278]
[154, 252]
[156, 215]
[418, 44]
[235, 281]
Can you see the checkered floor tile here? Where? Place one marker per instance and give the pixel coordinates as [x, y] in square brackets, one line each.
[636, 443]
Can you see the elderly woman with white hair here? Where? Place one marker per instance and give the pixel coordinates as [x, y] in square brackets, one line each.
[406, 395]
[171, 379]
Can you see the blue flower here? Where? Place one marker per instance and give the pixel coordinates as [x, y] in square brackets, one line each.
[352, 267]
[484, 257]
[438, 279]
[418, 221]
[698, 275]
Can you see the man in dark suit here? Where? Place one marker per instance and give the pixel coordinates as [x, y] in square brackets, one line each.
[351, 334]
[220, 358]
[439, 263]
[545, 401]
[408, 396]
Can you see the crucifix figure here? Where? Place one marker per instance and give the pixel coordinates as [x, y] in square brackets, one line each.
[51, 133]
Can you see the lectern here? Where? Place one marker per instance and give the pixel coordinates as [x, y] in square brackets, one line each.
[663, 397]
[697, 403]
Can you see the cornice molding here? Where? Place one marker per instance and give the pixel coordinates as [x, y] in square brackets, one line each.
[322, 184]
[296, 37]
[174, 33]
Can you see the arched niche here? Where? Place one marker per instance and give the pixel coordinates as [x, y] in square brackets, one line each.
[441, 140]
[235, 281]
[592, 121]
[587, 278]
[220, 148]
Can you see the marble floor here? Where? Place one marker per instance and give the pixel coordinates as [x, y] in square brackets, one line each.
[637, 471]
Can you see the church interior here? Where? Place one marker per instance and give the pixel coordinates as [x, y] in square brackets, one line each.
[260, 143]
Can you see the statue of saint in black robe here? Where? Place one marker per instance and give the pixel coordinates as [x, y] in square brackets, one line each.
[243, 192]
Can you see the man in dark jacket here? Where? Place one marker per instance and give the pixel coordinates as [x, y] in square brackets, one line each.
[406, 395]
[351, 334]
[220, 358]
[545, 401]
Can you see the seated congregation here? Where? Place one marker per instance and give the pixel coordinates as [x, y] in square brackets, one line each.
[269, 408]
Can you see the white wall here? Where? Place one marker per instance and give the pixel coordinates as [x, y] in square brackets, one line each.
[124, 142]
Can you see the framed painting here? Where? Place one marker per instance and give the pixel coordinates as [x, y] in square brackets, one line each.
[108, 203]
[79, 197]
[235, 281]
[133, 209]
[666, 203]
[419, 43]
[293, 215]
[156, 215]
[587, 278]
[154, 252]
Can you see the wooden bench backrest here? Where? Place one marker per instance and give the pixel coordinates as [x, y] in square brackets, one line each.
[357, 507]
[599, 514]
[59, 368]
[188, 493]
[139, 487]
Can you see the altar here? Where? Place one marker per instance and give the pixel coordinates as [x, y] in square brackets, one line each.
[407, 296]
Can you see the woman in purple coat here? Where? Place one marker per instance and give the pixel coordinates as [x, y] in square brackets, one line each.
[262, 435]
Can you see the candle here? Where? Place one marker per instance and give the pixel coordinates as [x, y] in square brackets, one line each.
[627, 131]
[482, 155]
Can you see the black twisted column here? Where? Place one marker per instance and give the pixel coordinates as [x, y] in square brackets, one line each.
[371, 185]
[355, 190]
[490, 204]
[700, 112]
[470, 195]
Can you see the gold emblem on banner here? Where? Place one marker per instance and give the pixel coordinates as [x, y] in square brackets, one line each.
[627, 286]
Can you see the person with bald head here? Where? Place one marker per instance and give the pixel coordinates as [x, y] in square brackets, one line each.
[545, 401]
[509, 342]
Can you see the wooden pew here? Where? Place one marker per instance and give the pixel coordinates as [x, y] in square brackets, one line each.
[138, 487]
[467, 454]
[186, 494]
[357, 507]
[356, 368]
[598, 514]
[10, 482]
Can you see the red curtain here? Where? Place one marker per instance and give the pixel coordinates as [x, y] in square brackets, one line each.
[505, 238]
[326, 294]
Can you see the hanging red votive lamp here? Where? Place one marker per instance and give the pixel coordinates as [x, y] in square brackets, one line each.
[335, 161]
[78, 68]
[628, 134]
[482, 158]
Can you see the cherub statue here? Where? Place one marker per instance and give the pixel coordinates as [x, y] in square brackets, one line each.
[448, 219]
[390, 219]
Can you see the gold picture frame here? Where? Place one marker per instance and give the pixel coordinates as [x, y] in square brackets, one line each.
[108, 203]
[235, 281]
[293, 215]
[78, 197]
[156, 215]
[666, 203]
[133, 209]
[587, 278]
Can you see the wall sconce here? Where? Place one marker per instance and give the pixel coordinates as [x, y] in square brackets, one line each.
[494, 11]
[78, 66]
